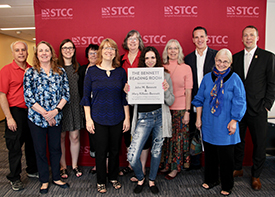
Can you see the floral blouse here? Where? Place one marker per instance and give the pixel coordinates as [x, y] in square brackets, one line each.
[47, 91]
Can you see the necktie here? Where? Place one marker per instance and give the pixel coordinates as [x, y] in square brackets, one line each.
[247, 62]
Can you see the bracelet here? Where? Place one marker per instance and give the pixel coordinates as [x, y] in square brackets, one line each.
[188, 110]
[59, 110]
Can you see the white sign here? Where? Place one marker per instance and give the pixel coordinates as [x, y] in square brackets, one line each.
[146, 85]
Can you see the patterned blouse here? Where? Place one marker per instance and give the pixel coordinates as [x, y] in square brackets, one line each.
[47, 91]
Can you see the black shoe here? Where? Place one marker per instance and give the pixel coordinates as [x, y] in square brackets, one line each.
[92, 171]
[17, 185]
[154, 189]
[139, 188]
[44, 191]
[64, 186]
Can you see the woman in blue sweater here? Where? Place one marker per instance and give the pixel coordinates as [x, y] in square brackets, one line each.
[106, 111]
[221, 104]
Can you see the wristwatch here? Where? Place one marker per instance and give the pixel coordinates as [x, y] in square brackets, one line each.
[188, 110]
[59, 110]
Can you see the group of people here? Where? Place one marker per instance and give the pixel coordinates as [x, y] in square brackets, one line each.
[207, 90]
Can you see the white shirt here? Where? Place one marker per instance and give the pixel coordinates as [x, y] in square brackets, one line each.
[248, 56]
[200, 63]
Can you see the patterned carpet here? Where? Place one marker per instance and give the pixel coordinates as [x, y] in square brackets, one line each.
[187, 183]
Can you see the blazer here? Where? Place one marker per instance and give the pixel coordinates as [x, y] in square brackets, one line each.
[191, 60]
[260, 81]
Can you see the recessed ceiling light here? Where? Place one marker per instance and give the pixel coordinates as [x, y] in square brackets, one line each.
[17, 28]
[34, 39]
[5, 6]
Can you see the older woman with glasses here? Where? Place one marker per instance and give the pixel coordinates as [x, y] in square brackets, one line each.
[220, 104]
[107, 112]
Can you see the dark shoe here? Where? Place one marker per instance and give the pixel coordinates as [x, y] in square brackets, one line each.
[229, 192]
[256, 184]
[92, 171]
[161, 172]
[154, 189]
[211, 185]
[33, 175]
[44, 191]
[139, 188]
[77, 172]
[192, 167]
[125, 171]
[64, 174]
[168, 177]
[64, 186]
[17, 185]
[237, 173]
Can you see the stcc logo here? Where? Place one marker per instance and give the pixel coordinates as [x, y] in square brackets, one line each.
[118, 11]
[85, 40]
[57, 13]
[234, 11]
[154, 39]
[217, 40]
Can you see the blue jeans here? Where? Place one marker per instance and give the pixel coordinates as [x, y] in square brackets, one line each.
[147, 123]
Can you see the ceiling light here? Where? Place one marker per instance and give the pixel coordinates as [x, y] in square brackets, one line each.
[17, 28]
[34, 39]
[5, 6]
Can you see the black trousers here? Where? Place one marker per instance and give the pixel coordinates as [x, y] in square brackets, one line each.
[108, 139]
[216, 156]
[257, 126]
[15, 141]
[39, 136]
[195, 160]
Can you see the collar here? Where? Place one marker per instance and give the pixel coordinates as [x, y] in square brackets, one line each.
[251, 52]
[203, 53]
[125, 57]
[16, 67]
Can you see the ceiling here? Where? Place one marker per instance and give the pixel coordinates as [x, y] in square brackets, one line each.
[21, 14]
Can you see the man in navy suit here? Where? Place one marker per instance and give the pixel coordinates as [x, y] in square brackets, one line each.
[255, 67]
[201, 62]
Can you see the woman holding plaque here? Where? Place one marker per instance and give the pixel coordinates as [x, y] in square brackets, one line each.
[220, 104]
[175, 153]
[150, 119]
[106, 111]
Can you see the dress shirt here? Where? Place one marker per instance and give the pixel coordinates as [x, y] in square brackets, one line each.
[247, 59]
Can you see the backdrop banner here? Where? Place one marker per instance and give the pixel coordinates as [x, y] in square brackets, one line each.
[158, 21]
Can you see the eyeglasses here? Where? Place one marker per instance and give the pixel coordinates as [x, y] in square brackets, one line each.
[224, 62]
[173, 48]
[94, 53]
[109, 48]
[132, 39]
[67, 48]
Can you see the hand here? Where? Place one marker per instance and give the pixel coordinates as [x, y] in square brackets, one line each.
[51, 114]
[52, 122]
[232, 127]
[185, 119]
[126, 88]
[90, 126]
[126, 125]
[165, 85]
[198, 124]
[11, 124]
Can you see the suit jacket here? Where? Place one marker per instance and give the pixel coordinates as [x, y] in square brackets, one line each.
[260, 81]
[191, 60]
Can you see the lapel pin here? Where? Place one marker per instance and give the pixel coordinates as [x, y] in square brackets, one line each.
[256, 56]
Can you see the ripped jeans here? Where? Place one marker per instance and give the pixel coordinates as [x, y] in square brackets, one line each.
[147, 123]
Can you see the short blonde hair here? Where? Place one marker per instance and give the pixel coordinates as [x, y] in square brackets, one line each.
[226, 52]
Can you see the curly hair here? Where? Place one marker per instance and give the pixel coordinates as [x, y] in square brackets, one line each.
[54, 65]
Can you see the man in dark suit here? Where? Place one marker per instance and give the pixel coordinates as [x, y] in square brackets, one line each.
[255, 67]
[201, 62]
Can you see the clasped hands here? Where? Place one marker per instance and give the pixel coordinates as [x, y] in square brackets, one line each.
[49, 116]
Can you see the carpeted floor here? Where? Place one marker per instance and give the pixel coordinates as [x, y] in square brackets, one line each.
[187, 183]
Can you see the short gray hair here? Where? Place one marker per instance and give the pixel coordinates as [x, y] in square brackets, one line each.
[19, 41]
[226, 52]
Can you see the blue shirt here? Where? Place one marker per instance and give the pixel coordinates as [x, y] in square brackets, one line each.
[47, 91]
[214, 129]
[108, 98]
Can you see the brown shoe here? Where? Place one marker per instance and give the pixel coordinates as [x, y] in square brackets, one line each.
[237, 173]
[256, 183]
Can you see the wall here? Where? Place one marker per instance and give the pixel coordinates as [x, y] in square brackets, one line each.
[6, 55]
[270, 39]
